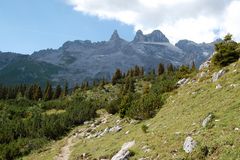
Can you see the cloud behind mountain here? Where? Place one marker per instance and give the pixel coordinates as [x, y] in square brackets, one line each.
[200, 21]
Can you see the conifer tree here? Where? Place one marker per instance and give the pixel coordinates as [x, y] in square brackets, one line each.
[116, 76]
[65, 91]
[86, 85]
[131, 72]
[193, 68]
[30, 92]
[48, 93]
[170, 68]
[136, 71]
[160, 69]
[37, 93]
[142, 71]
[58, 92]
[129, 85]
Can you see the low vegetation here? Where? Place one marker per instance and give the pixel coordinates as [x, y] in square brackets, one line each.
[25, 125]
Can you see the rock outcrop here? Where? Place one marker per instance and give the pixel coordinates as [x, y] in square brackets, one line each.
[182, 82]
[218, 75]
[124, 153]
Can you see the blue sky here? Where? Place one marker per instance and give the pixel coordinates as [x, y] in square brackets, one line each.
[30, 25]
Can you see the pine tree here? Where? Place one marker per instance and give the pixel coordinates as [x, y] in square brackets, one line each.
[136, 71]
[170, 68]
[160, 69]
[58, 92]
[65, 91]
[193, 68]
[48, 93]
[131, 72]
[129, 85]
[86, 86]
[142, 71]
[116, 76]
[30, 92]
[37, 93]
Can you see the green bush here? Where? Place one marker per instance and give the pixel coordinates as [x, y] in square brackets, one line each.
[144, 128]
[145, 107]
[227, 52]
[126, 102]
[113, 106]
[165, 83]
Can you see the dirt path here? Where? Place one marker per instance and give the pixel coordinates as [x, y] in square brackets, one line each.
[66, 151]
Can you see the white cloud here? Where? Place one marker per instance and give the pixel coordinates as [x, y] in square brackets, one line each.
[198, 20]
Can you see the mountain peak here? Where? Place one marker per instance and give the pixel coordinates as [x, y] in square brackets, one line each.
[114, 36]
[139, 36]
[155, 36]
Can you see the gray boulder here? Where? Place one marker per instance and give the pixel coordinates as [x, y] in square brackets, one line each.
[218, 75]
[182, 82]
[218, 86]
[207, 120]
[124, 153]
[189, 144]
[115, 129]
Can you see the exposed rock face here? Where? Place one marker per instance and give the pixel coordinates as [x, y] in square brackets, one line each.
[218, 75]
[189, 144]
[155, 36]
[198, 53]
[124, 153]
[207, 120]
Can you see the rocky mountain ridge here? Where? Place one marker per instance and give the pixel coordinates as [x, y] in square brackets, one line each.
[86, 60]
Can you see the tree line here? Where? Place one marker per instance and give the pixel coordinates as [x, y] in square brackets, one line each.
[138, 71]
[34, 91]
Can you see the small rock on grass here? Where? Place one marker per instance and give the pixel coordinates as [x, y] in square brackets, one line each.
[189, 144]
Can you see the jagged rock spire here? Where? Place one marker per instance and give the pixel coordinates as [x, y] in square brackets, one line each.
[114, 36]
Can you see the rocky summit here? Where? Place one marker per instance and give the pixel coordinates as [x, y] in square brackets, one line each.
[78, 61]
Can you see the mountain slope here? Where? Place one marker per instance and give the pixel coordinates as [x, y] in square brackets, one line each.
[85, 60]
[8, 57]
[181, 116]
[24, 70]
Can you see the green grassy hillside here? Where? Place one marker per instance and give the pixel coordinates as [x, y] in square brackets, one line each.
[181, 116]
